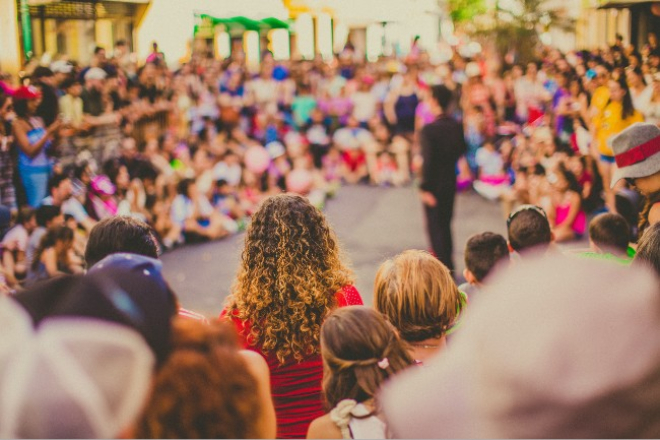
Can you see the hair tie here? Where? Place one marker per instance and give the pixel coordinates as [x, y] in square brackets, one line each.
[384, 364]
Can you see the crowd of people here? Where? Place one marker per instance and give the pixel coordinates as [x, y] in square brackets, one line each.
[104, 166]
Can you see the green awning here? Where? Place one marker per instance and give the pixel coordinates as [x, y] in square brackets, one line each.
[239, 24]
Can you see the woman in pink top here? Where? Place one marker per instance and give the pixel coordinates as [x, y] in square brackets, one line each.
[566, 215]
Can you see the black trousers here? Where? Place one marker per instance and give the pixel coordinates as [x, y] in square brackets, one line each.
[438, 225]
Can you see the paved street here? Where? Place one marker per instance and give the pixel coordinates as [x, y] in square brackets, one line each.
[372, 224]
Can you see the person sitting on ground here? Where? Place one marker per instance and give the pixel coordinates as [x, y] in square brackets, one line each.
[566, 214]
[53, 257]
[290, 278]
[361, 350]
[648, 249]
[609, 237]
[418, 295]
[47, 217]
[483, 252]
[61, 195]
[528, 229]
[14, 245]
[193, 214]
[208, 388]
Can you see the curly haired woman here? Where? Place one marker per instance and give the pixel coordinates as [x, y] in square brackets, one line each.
[290, 278]
[208, 388]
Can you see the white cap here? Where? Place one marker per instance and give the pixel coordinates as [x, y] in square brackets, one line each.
[472, 70]
[61, 66]
[72, 378]
[275, 149]
[95, 73]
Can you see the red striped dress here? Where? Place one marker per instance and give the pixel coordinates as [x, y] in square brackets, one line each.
[296, 386]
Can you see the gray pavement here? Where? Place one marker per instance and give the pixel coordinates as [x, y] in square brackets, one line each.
[372, 224]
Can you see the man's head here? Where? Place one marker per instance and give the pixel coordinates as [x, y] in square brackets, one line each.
[27, 218]
[442, 96]
[128, 148]
[42, 75]
[609, 232]
[482, 253]
[120, 234]
[99, 56]
[48, 216]
[528, 228]
[60, 188]
[95, 79]
[72, 86]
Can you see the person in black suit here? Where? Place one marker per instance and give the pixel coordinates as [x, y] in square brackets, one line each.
[443, 143]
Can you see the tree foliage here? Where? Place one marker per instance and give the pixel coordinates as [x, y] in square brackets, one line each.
[516, 28]
[462, 11]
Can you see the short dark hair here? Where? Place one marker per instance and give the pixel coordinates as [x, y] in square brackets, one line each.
[56, 180]
[70, 82]
[184, 185]
[25, 214]
[442, 95]
[528, 228]
[610, 231]
[483, 252]
[42, 72]
[117, 235]
[46, 213]
[98, 49]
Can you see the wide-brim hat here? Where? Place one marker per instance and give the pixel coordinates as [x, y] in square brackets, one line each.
[636, 151]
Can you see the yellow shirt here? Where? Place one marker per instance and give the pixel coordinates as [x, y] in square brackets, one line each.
[610, 123]
[600, 98]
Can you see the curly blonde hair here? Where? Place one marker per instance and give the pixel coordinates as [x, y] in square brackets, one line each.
[290, 271]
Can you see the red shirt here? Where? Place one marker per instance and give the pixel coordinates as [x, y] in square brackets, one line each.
[296, 386]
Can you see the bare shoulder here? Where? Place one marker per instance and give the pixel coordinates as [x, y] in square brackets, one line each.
[323, 427]
[654, 214]
[256, 363]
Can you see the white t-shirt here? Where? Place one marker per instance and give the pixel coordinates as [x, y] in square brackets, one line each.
[16, 239]
[71, 207]
[364, 106]
[642, 101]
[230, 173]
[183, 209]
[490, 162]
[352, 138]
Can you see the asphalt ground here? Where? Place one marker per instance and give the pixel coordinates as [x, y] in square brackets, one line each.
[372, 224]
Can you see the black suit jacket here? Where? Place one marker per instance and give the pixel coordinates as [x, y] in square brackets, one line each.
[443, 143]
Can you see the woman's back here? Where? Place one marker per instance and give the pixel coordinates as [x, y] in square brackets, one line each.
[296, 386]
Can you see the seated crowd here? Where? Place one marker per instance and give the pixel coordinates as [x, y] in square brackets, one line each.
[540, 341]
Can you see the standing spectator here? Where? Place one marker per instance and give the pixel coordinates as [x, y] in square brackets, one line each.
[637, 152]
[98, 114]
[7, 188]
[287, 236]
[442, 145]
[61, 72]
[530, 95]
[618, 115]
[44, 79]
[33, 140]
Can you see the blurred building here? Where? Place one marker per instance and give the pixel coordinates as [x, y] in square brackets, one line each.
[601, 20]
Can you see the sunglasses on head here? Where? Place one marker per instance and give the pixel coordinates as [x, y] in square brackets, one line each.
[523, 208]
